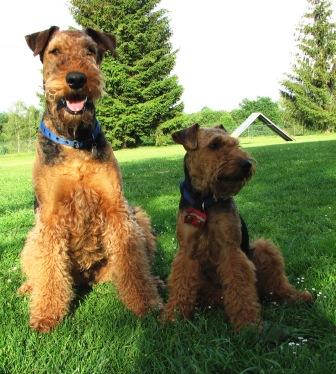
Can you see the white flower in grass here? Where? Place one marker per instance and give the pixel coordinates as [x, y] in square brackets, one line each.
[9, 280]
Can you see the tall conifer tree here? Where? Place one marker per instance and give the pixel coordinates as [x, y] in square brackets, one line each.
[141, 94]
[309, 92]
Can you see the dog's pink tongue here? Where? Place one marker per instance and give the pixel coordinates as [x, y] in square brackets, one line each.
[75, 106]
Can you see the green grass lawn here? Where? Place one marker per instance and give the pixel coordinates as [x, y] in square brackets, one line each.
[291, 200]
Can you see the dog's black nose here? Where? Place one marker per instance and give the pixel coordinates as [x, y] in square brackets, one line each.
[245, 164]
[76, 79]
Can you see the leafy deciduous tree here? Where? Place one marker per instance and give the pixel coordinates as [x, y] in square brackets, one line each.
[263, 104]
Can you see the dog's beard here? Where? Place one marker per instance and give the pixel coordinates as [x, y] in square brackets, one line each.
[225, 185]
[230, 179]
[225, 188]
[66, 122]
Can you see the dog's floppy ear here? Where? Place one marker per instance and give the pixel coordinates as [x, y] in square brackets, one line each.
[105, 42]
[187, 137]
[38, 41]
[221, 127]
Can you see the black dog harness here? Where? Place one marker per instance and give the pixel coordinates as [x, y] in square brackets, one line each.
[196, 208]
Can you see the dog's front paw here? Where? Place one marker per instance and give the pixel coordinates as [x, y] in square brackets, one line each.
[172, 310]
[141, 306]
[256, 326]
[44, 323]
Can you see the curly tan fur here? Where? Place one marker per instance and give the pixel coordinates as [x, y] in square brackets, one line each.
[85, 231]
[210, 268]
[272, 281]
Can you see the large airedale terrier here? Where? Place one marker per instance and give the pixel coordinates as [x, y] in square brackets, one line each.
[85, 230]
[215, 264]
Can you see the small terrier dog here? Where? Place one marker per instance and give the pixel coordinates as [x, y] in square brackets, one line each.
[215, 264]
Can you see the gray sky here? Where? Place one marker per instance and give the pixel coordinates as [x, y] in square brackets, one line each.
[228, 49]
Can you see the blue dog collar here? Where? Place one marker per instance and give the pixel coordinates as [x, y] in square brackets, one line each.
[77, 144]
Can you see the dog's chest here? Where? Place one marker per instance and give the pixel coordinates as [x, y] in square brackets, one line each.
[86, 224]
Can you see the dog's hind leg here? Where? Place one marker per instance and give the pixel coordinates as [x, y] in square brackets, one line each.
[272, 281]
[46, 264]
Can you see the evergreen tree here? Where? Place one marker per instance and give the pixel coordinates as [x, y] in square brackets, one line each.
[141, 95]
[309, 93]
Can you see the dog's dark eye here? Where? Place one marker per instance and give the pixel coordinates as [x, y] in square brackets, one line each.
[90, 51]
[216, 144]
[55, 51]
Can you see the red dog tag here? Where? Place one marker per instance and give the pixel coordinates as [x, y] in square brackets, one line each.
[195, 217]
